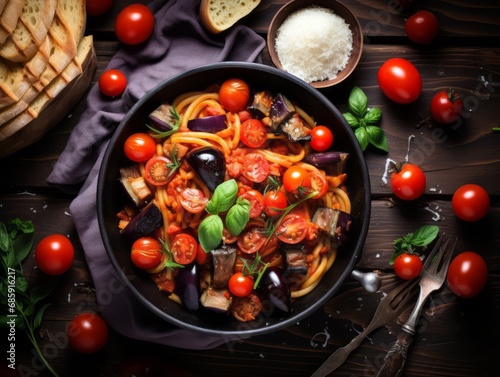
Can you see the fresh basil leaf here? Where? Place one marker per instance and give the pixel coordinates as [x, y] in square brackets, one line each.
[362, 137]
[351, 120]
[238, 216]
[424, 235]
[4, 238]
[358, 102]
[376, 137]
[22, 245]
[210, 232]
[373, 116]
[223, 197]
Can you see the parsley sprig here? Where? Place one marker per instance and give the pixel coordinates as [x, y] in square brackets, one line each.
[363, 120]
[19, 301]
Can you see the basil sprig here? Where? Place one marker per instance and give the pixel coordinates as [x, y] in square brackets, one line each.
[412, 243]
[363, 120]
[223, 199]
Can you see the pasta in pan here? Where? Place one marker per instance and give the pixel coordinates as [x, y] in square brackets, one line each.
[243, 182]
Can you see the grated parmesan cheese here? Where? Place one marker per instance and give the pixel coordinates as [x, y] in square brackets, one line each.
[314, 44]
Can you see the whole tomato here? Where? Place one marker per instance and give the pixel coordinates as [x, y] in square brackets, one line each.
[321, 138]
[408, 266]
[446, 107]
[422, 27]
[409, 182]
[234, 95]
[467, 274]
[87, 333]
[470, 202]
[112, 82]
[134, 24]
[400, 80]
[54, 254]
[139, 147]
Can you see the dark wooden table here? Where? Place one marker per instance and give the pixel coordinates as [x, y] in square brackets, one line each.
[456, 337]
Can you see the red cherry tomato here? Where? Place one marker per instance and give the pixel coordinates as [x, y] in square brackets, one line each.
[295, 177]
[400, 80]
[193, 200]
[158, 170]
[146, 253]
[240, 285]
[470, 202]
[422, 27]
[201, 256]
[409, 183]
[321, 138]
[251, 240]
[234, 95]
[112, 83]
[139, 147]
[256, 200]
[184, 248]
[54, 254]
[467, 274]
[97, 7]
[408, 266]
[134, 24]
[87, 333]
[275, 202]
[253, 133]
[318, 183]
[446, 107]
[255, 167]
[292, 229]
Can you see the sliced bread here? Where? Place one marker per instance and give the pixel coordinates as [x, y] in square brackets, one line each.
[219, 15]
[30, 32]
[9, 17]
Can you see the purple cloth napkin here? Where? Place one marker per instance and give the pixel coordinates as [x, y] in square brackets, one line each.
[178, 43]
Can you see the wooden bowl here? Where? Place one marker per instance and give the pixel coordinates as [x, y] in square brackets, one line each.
[340, 10]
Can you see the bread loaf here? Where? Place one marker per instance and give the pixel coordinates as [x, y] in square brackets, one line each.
[219, 15]
[9, 17]
[31, 29]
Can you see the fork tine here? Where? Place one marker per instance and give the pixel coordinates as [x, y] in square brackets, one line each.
[400, 294]
[447, 254]
[435, 250]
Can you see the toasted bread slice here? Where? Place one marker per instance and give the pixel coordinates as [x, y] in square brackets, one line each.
[14, 82]
[30, 32]
[219, 15]
[9, 17]
[26, 129]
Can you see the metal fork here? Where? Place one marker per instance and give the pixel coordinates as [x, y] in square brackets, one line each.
[390, 307]
[432, 278]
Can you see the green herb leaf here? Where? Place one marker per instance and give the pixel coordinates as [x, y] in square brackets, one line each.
[223, 197]
[237, 217]
[414, 242]
[376, 137]
[351, 119]
[424, 235]
[373, 116]
[358, 102]
[210, 232]
[362, 137]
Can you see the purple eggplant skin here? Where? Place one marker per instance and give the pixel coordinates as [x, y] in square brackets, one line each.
[211, 124]
[210, 165]
[273, 287]
[261, 105]
[281, 110]
[162, 118]
[144, 223]
[187, 287]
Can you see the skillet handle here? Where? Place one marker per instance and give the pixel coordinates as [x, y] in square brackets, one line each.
[395, 359]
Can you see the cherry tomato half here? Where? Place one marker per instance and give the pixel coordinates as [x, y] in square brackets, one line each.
[467, 274]
[134, 24]
[234, 95]
[470, 202]
[295, 177]
[255, 167]
[158, 170]
[408, 266]
[87, 333]
[251, 240]
[193, 200]
[292, 229]
[112, 83]
[422, 27]
[54, 254]
[97, 7]
[256, 200]
[240, 285]
[139, 147]
[146, 253]
[409, 183]
[400, 80]
[184, 248]
[253, 133]
[446, 107]
[318, 183]
[321, 138]
[274, 202]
